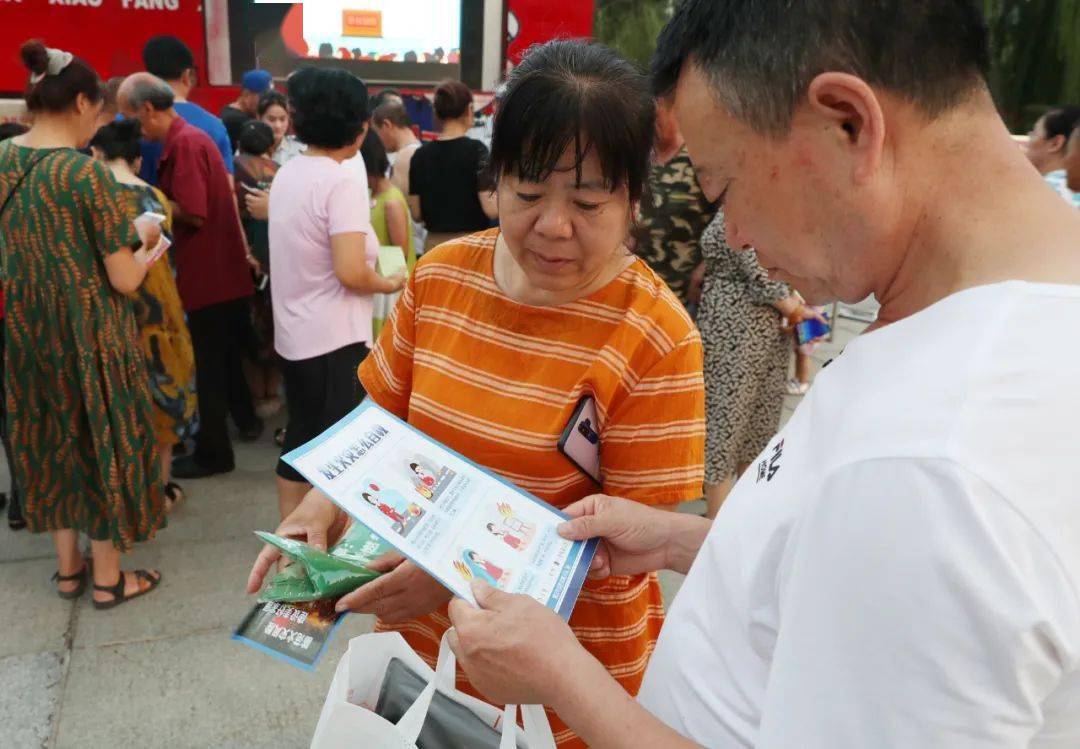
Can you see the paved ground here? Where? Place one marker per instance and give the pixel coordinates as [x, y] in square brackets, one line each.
[162, 671]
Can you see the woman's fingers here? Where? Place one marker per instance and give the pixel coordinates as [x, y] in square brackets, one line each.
[259, 570]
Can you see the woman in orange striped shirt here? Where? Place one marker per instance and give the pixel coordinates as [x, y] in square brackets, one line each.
[498, 335]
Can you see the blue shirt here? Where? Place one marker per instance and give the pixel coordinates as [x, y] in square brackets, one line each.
[200, 118]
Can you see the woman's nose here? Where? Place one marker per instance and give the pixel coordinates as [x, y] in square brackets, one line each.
[554, 223]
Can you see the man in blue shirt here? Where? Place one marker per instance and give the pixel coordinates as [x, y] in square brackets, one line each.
[171, 60]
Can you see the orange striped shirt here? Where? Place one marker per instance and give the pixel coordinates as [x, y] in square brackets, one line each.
[498, 381]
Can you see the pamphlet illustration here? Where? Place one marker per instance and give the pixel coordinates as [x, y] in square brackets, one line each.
[454, 519]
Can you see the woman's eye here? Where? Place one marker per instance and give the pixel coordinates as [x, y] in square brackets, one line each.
[528, 197]
[586, 206]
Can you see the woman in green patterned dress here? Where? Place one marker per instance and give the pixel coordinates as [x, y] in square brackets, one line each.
[78, 399]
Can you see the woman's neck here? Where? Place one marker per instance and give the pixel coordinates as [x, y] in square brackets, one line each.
[50, 131]
[379, 185]
[515, 283]
[337, 154]
[123, 172]
[453, 129]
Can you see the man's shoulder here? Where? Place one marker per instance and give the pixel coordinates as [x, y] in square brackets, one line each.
[201, 118]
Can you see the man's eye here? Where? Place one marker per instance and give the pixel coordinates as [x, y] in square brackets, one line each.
[528, 197]
[586, 206]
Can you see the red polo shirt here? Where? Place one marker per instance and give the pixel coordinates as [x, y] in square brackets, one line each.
[211, 264]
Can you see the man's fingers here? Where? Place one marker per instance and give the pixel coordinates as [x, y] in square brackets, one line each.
[601, 564]
[452, 640]
[586, 506]
[263, 563]
[579, 529]
[487, 596]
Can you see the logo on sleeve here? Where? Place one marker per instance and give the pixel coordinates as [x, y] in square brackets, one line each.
[768, 468]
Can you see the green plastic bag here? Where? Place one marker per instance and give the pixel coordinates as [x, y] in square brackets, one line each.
[317, 574]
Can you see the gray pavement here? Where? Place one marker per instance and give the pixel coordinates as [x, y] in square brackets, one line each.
[162, 671]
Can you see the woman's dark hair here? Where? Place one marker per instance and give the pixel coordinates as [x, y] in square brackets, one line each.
[256, 138]
[580, 95]
[118, 140]
[329, 107]
[376, 161]
[272, 99]
[1061, 121]
[57, 93]
[452, 98]
[11, 129]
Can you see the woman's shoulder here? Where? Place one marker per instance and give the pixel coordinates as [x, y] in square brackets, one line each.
[645, 296]
[471, 252]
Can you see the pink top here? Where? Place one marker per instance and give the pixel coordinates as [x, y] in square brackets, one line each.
[311, 199]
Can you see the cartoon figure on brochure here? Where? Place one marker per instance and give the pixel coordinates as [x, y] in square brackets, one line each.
[428, 479]
[473, 565]
[512, 530]
[402, 514]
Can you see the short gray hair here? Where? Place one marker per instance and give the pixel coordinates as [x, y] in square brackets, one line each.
[153, 90]
[760, 56]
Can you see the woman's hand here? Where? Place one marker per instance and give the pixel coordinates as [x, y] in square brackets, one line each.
[513, 649]
[149, 234]
[257, 202]
[316, 520]
[395, 283]
[403, 593]
[795, 311]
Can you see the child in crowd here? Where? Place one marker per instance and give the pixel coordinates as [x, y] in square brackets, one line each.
[255, 171]
[389, 217]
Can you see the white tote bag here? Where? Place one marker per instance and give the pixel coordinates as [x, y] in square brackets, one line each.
[345, 724]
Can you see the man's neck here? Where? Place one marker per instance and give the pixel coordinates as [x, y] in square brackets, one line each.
[406, 137]
[180, 91]
[983, 216]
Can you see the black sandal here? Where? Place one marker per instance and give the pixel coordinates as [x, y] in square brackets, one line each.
[174, 495]
[117, 591]
[82, 576]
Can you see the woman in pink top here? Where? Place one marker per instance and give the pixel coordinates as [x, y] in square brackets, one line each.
[322, 258]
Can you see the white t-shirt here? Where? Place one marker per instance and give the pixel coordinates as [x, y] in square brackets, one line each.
[311, 199]
[901, 566]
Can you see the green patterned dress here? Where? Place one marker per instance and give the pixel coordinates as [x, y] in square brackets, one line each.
[78, 399]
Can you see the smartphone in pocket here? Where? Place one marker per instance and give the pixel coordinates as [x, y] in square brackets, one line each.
[580, 441]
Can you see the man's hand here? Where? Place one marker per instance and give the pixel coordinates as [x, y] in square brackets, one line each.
[513, 649]
[635, 536]
[257, 202]
[403, 593]
[316, 520]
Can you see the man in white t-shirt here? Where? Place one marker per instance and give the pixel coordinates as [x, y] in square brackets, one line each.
[394, 128]
[901, 566]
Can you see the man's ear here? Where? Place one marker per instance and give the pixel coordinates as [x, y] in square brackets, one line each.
[848, 105]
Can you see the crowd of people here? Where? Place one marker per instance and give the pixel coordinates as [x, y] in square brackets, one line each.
[658, 266]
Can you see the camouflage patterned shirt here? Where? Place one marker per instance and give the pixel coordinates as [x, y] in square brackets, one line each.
[674, 213]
